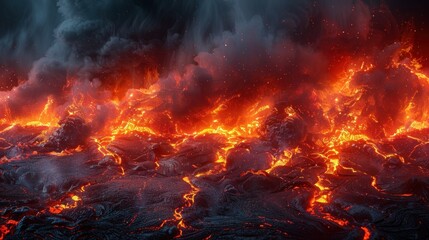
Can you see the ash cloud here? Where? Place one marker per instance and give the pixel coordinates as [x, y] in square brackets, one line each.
[205, 51]
[26, 33]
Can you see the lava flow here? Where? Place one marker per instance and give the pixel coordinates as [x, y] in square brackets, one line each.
[213, 120]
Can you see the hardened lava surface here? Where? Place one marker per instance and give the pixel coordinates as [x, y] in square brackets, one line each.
[162, 190]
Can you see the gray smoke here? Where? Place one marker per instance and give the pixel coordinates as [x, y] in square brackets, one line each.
[26, 32]
[232, 49]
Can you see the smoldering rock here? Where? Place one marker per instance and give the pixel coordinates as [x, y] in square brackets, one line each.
[145, 166]
[211, 168]
[408, 179]
[402, 145]
[162, 149]
[169, 167]
[422, 134]
[14, 152]
[362, 157]
[230, 194]
[365, 200]
[241, 159]
[4, 147]
[285, 132]
[420, 152]
[35, 181]
[4, 144]
[300, 170]
[153, 199]
[107, 160]
[72, 133]
[393, 162]
[197, 154]
[386, 213]
[261, 183]
[387, 104]
[237, 208]
[132, 148]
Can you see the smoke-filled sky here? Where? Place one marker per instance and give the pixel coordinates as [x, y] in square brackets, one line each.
[204, 50]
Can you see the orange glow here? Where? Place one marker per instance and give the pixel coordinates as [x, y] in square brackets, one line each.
[283, 159]
[189, 201]
[75, 198]
[6, 228]
[323, 197]
[189, 197]
[367, 234]
[102, 148]
[72, 203]
[347, 116]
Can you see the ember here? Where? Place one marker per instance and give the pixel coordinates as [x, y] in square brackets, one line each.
[213, 120]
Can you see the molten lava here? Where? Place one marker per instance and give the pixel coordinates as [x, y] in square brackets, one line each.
[346, 156]
[230, 148]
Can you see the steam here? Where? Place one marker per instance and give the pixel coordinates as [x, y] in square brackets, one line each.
[205, 50]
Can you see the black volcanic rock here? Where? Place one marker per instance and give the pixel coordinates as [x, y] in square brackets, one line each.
[132, 148]
[285, 132]
[72, 132]
[21, 134]
[241, 159]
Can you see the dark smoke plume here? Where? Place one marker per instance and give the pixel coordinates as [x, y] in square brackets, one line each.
[205, 51]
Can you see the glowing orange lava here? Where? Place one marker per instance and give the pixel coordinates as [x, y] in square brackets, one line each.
[349, 119]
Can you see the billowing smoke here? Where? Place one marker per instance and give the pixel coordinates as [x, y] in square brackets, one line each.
[207, 52]
[26, 33]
